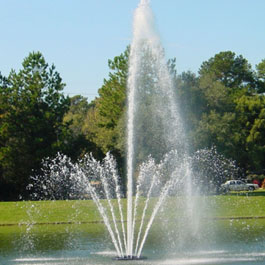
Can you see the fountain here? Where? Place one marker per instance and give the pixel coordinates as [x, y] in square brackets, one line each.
[158, 168]
[155, 140]
[150, 94]
[156, 148]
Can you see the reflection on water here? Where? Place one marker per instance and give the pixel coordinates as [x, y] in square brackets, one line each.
[90, 244]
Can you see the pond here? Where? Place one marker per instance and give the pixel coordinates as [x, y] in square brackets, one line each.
[220, 242]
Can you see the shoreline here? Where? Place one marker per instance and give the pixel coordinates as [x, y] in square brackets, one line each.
[102, 222]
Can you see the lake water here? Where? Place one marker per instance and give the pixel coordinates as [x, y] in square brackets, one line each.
[239, 242]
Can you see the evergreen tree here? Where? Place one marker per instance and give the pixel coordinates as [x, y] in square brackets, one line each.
[32, 110]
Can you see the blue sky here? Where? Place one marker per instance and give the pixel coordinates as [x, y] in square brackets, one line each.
[79, 36]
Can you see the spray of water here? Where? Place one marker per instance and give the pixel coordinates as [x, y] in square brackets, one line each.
[156, 147]
[154, 126]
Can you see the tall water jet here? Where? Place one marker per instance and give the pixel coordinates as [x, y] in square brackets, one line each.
[154, 126]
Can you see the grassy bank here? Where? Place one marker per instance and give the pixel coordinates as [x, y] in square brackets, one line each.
[232, 205]
[47, 212]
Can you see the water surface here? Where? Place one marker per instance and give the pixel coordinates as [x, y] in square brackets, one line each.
[237, 242]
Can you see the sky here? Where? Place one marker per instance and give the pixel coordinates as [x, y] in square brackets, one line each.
[80, 36]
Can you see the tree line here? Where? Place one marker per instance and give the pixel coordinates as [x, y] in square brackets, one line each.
[222, 106]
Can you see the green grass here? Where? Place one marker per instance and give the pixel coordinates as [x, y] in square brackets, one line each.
[225, 206]
[259, 192]
[237, 206]
[47, 212]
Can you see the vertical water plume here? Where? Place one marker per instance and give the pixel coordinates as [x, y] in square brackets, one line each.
[134, 69]
[153, 126]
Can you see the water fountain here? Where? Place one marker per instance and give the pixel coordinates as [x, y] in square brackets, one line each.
[156, 149]
[150, 94]
[155, 139]
[158, 168]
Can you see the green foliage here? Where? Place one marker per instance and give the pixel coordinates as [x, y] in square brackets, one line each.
[261, 76]
[251, 119]
[191, 100]
[105, 114]
[222, 108]
[76, 114]
[78, 141]
[32, 110]
[113, 92]
[261, 70]
[233, 71]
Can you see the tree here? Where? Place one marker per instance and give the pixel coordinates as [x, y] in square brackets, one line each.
[261, 76]
[105, 112]
[191, 100]
[261, 70]
[32, 110]
[223, 80]
[233, 71]
[76, 114]
[112, 94]
[79, 141]
[250, 111]
[235, 128]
